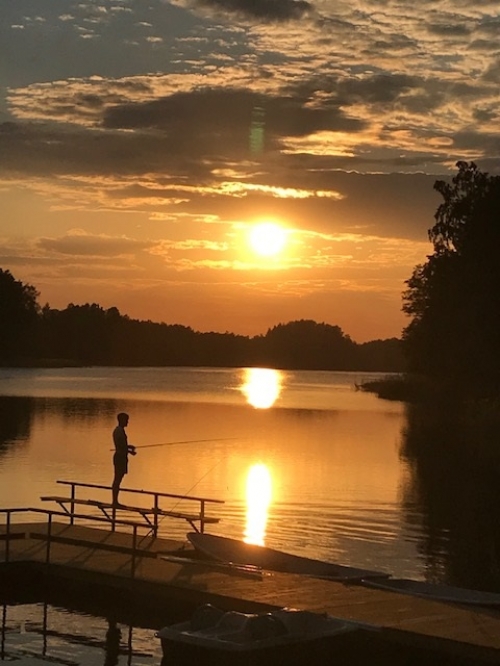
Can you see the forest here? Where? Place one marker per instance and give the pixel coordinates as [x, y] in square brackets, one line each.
[85, 335]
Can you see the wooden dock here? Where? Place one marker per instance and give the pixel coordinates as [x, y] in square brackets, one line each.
[151, 567]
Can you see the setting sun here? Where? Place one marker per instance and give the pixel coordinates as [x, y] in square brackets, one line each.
[268, 238]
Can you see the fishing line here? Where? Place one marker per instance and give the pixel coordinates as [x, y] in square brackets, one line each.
[192, 488]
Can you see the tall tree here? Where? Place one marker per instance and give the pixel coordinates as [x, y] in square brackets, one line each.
[18, 319]
[454, 298]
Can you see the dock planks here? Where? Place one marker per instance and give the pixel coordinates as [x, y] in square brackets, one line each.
[98, 556]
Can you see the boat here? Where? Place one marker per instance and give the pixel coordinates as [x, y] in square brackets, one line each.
[283, 636]
[436, 592]
[233, 551]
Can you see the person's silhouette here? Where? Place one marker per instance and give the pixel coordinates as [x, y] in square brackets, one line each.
[120, 456]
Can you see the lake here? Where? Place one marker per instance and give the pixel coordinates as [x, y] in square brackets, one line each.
[304, 461]
[41, 634]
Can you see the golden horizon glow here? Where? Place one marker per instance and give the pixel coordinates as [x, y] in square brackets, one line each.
[267, 239]
[262, 387]
[258, 499]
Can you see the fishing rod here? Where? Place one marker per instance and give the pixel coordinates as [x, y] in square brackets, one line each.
[186, 441]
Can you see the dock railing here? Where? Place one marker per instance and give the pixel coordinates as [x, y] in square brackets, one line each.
[9, 534]
[152, 514]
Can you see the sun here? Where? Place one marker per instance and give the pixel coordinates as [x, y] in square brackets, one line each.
[267, 238]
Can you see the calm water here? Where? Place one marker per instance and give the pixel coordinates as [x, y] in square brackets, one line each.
[303, 461]
[322, 457]
[42, 634]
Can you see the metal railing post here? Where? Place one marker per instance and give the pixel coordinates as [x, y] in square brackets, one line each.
[134, 549]
[7, 538]
[49, 537]
[72, 505]
[202, 516]
[155, 517]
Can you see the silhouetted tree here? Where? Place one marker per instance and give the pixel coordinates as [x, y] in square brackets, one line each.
[80, 333]
[307, 345]
[380, 355]
[454, 298]
[18, 319]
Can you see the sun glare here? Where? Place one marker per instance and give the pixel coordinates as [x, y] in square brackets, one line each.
[267, 238]
[259, 491]
[262, 387]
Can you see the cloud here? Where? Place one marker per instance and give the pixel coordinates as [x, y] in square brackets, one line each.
[262, 10]
[148, 173]
[162, 129]
[79, 243]
[225, 121]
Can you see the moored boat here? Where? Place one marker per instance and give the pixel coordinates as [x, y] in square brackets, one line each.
[436, 592]
[224, 549]
[281, 636]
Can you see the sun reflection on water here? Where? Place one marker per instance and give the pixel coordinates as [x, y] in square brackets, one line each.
[262, 387]
[258, 497]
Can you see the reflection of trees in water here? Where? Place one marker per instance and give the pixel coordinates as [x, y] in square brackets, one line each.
[16, 417]
[455, 467]
[17, 414]
[78, 409]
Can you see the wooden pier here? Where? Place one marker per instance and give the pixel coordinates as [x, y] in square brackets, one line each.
[153, 568]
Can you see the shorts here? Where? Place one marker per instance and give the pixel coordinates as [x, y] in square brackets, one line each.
[120, 463]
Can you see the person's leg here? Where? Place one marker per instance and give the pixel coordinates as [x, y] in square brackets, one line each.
[115, 488]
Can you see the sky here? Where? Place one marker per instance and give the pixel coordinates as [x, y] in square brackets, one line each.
[142, 143]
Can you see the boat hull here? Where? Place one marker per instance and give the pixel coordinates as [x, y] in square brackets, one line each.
[317, 652]
[224, 549]
[436, 592]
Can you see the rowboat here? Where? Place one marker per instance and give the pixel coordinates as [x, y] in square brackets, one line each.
[436, 592]
[224, 549]
[285, 636]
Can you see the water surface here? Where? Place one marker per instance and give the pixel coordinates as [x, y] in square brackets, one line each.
[303, 461]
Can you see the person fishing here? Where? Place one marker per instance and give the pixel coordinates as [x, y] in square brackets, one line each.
[120, 456]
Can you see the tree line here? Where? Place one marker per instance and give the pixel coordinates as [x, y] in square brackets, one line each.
[453, 299]
[92, 335]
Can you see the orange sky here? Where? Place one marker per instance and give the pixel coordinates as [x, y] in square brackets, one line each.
[145, 138]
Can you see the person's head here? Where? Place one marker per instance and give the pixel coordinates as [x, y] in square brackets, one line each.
[122, 419]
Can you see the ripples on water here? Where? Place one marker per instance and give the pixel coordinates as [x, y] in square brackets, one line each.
[331, 452]
[40, 634]
[347, 481]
